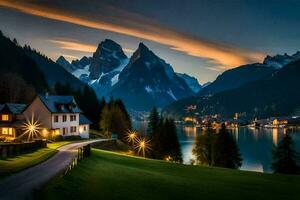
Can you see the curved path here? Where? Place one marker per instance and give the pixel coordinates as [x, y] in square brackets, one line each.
[22, 185]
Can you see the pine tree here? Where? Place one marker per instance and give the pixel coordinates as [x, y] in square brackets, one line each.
[204, 145]
[119, 103]
[153, 122]
[226, 152]
[115, 119]
[285, 157]
[170, 142]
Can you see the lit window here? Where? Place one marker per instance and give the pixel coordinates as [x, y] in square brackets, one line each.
[4, 117]
[7, 131]
[65, 131]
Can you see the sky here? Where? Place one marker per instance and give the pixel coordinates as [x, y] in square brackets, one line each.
[202, 38]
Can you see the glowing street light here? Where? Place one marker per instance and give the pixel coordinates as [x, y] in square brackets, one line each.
[142, 146]
[131, 136]
[32, 128]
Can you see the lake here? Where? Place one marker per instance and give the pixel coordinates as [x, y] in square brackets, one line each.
[255, 144]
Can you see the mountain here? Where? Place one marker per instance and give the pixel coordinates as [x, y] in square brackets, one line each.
[237, 77]
[143, 81]
[53, 72]
[192, 82]
[108, 57]
[206, 84]
[82, 63]
[16, 73]
[278, 61]
[149, 81]
[65, 64]
[274, 95]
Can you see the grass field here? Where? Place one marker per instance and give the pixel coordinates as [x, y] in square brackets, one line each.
[18, 163]
[107, 175]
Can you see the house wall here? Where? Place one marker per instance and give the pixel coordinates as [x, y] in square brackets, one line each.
[84, 133]
[67, 124]
[40, 112]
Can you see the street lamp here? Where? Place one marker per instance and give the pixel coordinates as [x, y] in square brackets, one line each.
[32, 128]
[143, 146]
[131, 136]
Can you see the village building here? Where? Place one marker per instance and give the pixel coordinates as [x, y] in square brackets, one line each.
[57, 115]
[11, 120]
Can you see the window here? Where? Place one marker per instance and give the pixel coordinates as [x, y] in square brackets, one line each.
[4, 117]
[84, 128]
[7, 131]
[65, 131]
[56, 118]
[72, 118]
[64, 118]
[73, 129]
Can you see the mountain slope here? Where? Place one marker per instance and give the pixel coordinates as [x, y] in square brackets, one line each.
[149, 81]
[15, 62]
[192, 82]
[237, 77]
[275, 95]
[144, 79]
[53, 72]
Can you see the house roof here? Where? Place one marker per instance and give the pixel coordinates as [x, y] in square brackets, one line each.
[83, 120]
[13, 107]
[60, 104]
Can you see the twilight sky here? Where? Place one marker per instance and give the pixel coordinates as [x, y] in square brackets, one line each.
[199, 37]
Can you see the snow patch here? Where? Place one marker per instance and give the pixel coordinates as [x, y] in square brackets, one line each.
[148, 89]
[78, 72]
[171, 94]
[148, 64]
[115, 79]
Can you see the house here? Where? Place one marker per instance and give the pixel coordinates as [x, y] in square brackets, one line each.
[11, 120]
[58, 115]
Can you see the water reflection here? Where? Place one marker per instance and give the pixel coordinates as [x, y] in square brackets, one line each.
[255, 145]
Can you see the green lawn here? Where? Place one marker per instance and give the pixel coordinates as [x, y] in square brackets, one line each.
[18, 163]
[107, 175]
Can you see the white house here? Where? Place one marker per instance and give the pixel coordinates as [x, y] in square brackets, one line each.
[58, 115]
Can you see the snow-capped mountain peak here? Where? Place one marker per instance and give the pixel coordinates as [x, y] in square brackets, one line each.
[143, 81]
[278, 61]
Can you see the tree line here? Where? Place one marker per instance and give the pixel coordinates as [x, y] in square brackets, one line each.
[217, 149]
[220, 149]
[163, 136]
[114, 118]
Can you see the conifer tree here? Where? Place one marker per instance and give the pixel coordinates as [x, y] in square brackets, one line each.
[285, 157]
[226, 152]
[204, 147]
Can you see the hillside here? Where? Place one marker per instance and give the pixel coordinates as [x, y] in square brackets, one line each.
[272, 96]
[25, 72]
[245, 74]
[109, 175]
[15, 61]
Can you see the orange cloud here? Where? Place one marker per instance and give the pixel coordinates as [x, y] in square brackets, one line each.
[221, 54]
[75, 46]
